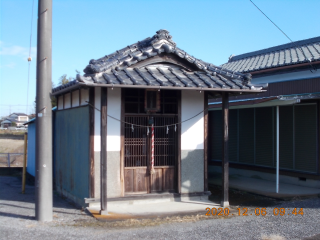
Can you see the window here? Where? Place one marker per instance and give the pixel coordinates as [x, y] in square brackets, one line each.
[152, 101]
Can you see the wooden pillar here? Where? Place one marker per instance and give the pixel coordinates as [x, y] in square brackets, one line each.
[179, 144]
[205, 114]
[103, 153]
[122, 144]
[91, 139]
[225, 157]
[318, 126]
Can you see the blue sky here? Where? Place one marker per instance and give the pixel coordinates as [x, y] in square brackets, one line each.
[84, 30]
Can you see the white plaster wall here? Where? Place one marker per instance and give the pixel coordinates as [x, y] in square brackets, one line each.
[192, 131]
[84, 96]
[67, 100]
[60, 102]
[75, 98]
[97, 119]
[113, 126]
[97, 141]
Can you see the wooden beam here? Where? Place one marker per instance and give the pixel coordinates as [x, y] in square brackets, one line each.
[178, 165]
[225, 157]
[122, 145]
[205, 115]
[71, 99]
[91, 139]
[318, 126]
[63, 101]
[103, 153]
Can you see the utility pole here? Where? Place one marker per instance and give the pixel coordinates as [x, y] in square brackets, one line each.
[44, 113]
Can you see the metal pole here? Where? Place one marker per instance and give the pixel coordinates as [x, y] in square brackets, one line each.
[277, 173]
[225, 156]
[8, 159]
[44, 113]
[24, 162]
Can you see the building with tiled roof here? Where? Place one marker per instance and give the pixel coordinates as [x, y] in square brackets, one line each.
[300, 52]
[292, 72]
[135, 122]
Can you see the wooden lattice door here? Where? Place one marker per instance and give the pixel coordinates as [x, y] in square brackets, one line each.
[137, 157]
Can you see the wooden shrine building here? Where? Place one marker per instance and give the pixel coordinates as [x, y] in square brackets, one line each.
[103, 124]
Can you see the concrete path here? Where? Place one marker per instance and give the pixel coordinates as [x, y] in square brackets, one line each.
[149, 209]
[266, 188]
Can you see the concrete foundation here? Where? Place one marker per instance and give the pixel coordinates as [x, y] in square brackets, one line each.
[97, 174]
[113, 174]
[192, 171]
[267, 176]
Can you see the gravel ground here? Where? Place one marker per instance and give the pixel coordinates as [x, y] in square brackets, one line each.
[17, 221]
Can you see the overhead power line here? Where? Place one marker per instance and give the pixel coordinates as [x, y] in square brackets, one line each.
[29, 58]
[313, 68]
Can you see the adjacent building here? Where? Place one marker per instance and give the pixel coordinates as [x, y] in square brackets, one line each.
[293, 97]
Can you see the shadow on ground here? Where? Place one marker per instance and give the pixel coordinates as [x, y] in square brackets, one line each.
[22, 206]
[242, 198]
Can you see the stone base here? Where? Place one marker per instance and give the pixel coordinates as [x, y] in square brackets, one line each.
[225, 204]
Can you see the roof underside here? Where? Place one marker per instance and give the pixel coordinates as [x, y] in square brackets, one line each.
[157, 62]
[288, 54]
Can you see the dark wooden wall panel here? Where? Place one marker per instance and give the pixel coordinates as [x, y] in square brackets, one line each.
[264, 136]
[215, 121]
[140, 180]
[246, 135]
[286, 137]
[168, 179]
[306, 138]
[233, 135]
[128, 180]
[156, 180]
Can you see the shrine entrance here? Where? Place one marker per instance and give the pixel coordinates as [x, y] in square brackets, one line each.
[138, 148]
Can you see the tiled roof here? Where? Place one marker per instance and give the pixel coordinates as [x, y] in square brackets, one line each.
[287, 54]
[123, 69]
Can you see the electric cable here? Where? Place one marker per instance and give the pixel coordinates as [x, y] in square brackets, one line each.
[142, 126]
[29, 58]
[313, 68]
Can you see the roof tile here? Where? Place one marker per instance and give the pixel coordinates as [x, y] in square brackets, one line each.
[121, 68]
[287, 54]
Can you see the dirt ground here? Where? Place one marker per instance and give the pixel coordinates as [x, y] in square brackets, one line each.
[11, 146]
[242, 198]
[17, 220]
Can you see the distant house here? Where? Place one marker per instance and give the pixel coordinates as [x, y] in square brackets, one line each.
[17, 119]
[292, 72]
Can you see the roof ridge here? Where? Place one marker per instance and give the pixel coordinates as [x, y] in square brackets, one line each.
[275, 48]
[150, 47]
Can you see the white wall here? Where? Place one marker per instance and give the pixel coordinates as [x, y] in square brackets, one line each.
[97, 119]
[60, 102]
[192, 131]
[84, 96]
[67, 100]
[75, 98]
[113, 126]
